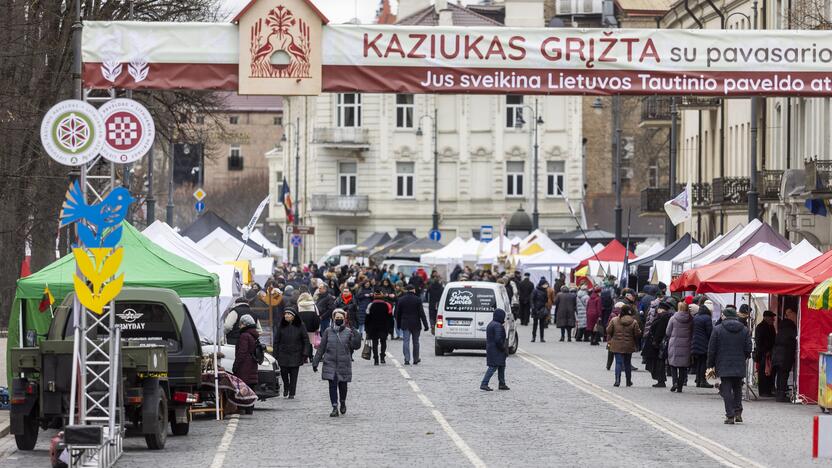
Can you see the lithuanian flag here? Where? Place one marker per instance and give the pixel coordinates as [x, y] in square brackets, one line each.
[47, 300]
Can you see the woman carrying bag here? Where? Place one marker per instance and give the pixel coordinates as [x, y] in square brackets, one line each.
[337, 344]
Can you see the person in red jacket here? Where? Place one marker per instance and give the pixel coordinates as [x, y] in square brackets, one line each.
[245, 365]
[593, 314]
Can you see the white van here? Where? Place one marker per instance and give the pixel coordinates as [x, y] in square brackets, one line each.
[465, 310]
[333, 256]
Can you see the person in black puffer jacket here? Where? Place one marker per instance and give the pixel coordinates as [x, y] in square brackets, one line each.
[728, 350]
[782, 357]
[291, 347]
[540, 314]
[325, 304]
[703, 326]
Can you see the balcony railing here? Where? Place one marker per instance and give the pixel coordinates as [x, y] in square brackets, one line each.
[655, 111]
[770, 184]
[340, 205]
[343, 137]
[818, 176]
[701, 194]
[653, 199]
[731, 190]
[699, 102]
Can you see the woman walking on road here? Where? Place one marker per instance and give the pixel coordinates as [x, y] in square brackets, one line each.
[245, 366]
[337, 344]
[623, 334]
[540, 313]
[291, 346]
[377, 322]
[496, 351]
[680, 333]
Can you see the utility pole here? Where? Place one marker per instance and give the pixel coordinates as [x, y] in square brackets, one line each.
[616, 144]
[296, 249]
[753, 195]
[435, 170]
[535, 211]
[169, 211]
[669, 228]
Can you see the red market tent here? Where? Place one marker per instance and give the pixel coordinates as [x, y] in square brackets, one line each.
[813, 328]
[749, 274]
[613, 252]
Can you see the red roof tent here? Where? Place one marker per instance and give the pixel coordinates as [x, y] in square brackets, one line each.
[311, 5]
[813, 328]
[749, 274]
[613, 252]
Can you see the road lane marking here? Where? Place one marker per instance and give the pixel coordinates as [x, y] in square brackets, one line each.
[711, 448]
[460, 443]
[225, 443]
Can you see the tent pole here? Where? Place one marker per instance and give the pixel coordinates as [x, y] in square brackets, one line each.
[216, 370]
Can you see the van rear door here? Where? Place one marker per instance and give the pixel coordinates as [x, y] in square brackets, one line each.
[468, 310]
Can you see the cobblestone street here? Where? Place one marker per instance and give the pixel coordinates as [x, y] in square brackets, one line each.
[561, 410]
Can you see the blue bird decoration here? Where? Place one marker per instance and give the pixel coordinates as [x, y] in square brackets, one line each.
[100, 218]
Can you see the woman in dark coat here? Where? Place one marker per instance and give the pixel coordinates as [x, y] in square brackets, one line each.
[593, 315]
[540, 313]
[782, 357]
[703, 326]
[245, 366]
[377, 322]
[388, 292]
[566, 306]
[623, 334]
[680, 333]
[655, 352]
[496, 351]
[347, 303]
[291, 346]
[363, 297]
[337, 344]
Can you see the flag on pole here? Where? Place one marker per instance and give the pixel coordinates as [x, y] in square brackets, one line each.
[286, 200]
[250, 226]
[680, 209]
[47, 300]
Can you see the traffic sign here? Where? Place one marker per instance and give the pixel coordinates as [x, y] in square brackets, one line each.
[296, 240]
[486, 233]
[435, 235]
[302, 230]
[200, 194]
[200, 206]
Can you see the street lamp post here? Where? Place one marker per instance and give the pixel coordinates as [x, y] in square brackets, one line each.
[538, 120]
[296, 125]
[169, 211]
[435, 217]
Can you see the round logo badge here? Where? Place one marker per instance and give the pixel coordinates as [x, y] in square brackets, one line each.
[72, 132]
[129, 130]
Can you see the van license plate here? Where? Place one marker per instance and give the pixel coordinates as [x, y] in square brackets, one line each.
[459, 322]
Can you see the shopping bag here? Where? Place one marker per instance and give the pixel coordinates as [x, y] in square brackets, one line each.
[365, 353]
[316, 340]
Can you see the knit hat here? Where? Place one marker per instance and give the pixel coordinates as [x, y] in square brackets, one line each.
[666, 305]
[729, 312]
[290, 311]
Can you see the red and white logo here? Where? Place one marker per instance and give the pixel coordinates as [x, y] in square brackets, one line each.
[129, 130]
[283, 48]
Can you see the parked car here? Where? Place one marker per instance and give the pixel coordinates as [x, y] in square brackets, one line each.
[405, 268]
[267, 373]
[465, 310]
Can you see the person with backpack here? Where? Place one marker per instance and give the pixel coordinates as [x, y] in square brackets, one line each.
[231, 323]
[337, 344]
[245, 353]
[378, 318]
[291, 347]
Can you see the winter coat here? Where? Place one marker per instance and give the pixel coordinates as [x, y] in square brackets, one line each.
[337, 345]
[550, 298]
[764, 337]
[291, 343]
[566, 304]
[325, 304]
[409, 312]
[623, 334]
[656, 332]
[377, 323]
[703, 326]
[496, 344]
[593, 310]
[308, 312]
[435, 289]
[525, 289]
[363, 298]
[351, 308]
[680, 331]
[785, 345]
[539, 299]
[245, 367]
[729, 348]
[580, 312]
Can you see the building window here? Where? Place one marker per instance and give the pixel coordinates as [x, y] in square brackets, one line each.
[278, 120]
[653, 176]
[514, 111]
[349, 110]
[234, 120]
[404, 111]
[514, 178]
[404, 179]
[235, 158]
[555, 176]
[347, 236]
[279, 177]
[347, 174]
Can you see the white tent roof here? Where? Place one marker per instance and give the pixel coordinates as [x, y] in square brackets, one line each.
[450, 254]
[729, 247]
[549, 258]
[225, 247]
[653, 249]
[164, 236]
[764, 250]
[258, 237]
[516, 240]
[540, 238]
[471, 250]
[801, 254]
[489, 253]
[584, 251]
[598, 247]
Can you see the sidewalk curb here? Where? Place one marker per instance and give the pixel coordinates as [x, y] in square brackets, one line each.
[4, 429]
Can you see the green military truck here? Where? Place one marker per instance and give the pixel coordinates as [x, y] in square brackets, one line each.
[161, 369]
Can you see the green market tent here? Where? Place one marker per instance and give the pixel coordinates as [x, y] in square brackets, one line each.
[144, 264]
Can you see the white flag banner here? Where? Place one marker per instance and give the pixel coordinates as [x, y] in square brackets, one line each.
[680, 209]
[250, 227]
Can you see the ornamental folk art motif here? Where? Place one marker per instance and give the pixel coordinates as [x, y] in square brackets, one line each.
[280, 46]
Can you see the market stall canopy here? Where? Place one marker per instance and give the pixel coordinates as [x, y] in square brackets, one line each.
[379, 254]
[226, 247]
[765, 234]
[274, 250]
[801, 254]
[585, 251]
[668, 253]
[537, 242]
[451, 254]
[749, 274]
[375, 240]
[414, 250]
[491, 252]
[821, 296]
[549, 258]
[650, 251]
[726, 246]
[657, 266]
[819, 268]
[613, 252]
[814, 326]
[766, 251]
[472, 249]
[208, 222]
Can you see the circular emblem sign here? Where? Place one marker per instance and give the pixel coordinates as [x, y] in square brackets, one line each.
[129, 130]
[72, 132]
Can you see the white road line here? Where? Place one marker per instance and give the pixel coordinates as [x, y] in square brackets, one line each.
[713, 449]
[225, 443]
[460, 443]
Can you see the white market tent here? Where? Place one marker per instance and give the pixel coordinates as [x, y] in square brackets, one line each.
[489, 253]
[645, 251]
[584, 251]
[451, 254]
[662, 270]
[226, 248]
[764, 250]
[259, 238]
[471, 250]
[555, 257]
[728, 246]
[712, 250]
[801, 254]
[598, 247]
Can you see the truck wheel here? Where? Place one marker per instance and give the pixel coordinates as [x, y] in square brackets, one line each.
[438, 349]
[179, 429]
[513, 349]
[156, 441]
[29, 438]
